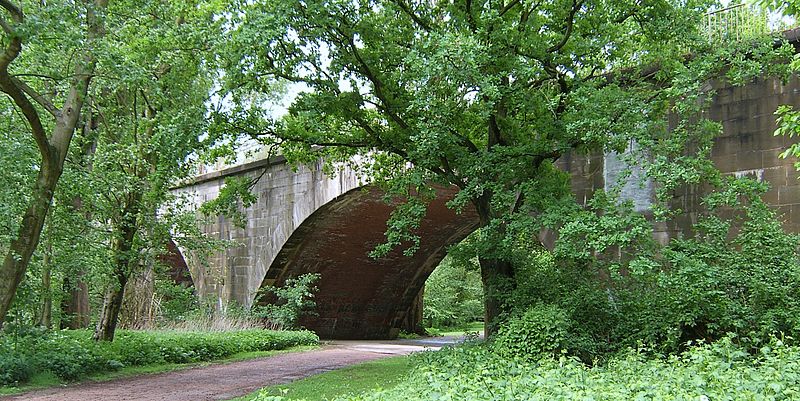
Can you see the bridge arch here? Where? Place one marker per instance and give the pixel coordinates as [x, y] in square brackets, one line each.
[361, 297]
[307, 221]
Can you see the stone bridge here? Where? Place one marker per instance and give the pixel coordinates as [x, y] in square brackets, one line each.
[305, 221]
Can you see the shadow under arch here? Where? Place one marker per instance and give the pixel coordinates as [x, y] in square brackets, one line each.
[360, 297]
[177, 269]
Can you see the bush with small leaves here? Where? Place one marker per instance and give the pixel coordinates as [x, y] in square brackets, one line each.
[540, 329]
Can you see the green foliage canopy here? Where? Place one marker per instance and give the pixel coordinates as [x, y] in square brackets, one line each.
[481, 95]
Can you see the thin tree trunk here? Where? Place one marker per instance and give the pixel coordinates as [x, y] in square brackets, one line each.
[124, 261]
[109, 315]
[45, 317]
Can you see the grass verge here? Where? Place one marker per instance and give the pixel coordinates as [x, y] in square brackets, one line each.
[47, 379]
[383, 373]
[461, 330]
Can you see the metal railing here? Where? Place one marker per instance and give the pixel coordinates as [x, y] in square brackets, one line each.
[738, 22]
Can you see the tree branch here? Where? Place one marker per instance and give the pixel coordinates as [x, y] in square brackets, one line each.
[6, 27]
[8, 86]
[43, 101]
[16, 12]
[508, 7]
[407, 10]
[576, 5]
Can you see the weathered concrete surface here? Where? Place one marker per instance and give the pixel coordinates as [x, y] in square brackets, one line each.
[285, 198]
[747, 147]
[307, 222]
[360, 297]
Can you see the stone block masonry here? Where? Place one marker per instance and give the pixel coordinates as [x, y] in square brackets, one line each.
[746, 148]
[285, 199]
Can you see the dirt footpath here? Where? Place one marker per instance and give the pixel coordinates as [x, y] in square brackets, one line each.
[226, 381]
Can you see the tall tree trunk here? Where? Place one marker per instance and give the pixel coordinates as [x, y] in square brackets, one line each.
[53, 149]
[497, 275]
[124, 261]
[75, 306]
[19, 253]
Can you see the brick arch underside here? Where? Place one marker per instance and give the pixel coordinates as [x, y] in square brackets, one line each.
[178, 270]
[360, 297]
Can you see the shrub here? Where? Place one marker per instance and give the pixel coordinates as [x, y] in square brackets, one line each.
[67, 356]
[294, 299]
[739, 273]
[13, 368]
[540, 329]
[177, 301]
[71, 355]
[720, 371]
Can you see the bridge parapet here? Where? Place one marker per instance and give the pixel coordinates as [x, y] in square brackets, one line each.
[285, 198]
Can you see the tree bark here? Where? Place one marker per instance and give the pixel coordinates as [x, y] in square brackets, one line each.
[497, 275]
[46, 314]
[109, 315]
[75, 306]
[53, 150]
[124, 261]
[19, 253]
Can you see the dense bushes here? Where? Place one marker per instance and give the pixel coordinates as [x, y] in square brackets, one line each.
[73, 354]
[542, 329]
[721, 371]
[614, 287]
[291, 301]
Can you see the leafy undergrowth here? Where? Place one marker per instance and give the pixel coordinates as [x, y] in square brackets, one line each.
[719, 371]
[381, 374]
[464, 329]
[72, 355]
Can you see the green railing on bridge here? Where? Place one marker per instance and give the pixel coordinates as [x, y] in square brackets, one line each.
[741, 22]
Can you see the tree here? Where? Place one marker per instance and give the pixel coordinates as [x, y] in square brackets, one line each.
[481, 95]
[82, 26]
[151, 116]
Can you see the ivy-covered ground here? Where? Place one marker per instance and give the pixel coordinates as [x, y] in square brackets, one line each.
[719, 371]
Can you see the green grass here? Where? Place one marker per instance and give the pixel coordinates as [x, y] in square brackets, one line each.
[47, 379]
[461, 330]
[383, 373]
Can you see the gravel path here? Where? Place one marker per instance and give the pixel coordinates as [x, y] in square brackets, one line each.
[226, 381]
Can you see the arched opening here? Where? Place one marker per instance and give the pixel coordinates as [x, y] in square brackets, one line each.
[177, 269]
[453, 299]
[360, 297]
